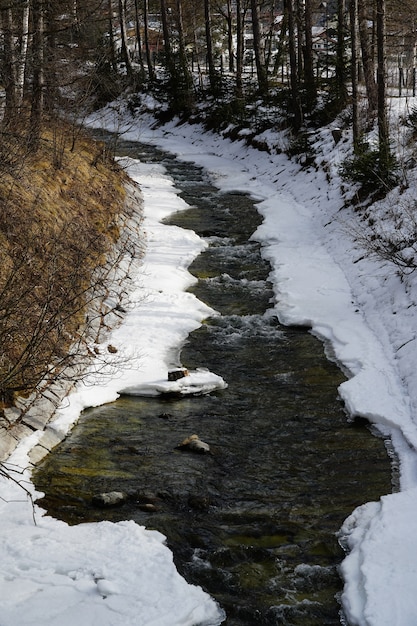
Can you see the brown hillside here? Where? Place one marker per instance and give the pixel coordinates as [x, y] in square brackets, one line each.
[59, 214]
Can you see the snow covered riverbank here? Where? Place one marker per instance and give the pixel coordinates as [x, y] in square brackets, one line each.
[122, 574]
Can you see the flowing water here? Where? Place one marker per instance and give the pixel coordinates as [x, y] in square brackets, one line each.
[255, 522]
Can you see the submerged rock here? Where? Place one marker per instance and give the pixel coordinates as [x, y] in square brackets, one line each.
[194, 444]
[110, 498]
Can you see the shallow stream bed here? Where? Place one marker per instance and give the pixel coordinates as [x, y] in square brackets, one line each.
[255, 522]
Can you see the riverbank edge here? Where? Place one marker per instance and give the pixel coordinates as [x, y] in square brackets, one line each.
[37, 413]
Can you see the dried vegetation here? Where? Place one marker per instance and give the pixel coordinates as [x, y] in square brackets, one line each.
[59, 220]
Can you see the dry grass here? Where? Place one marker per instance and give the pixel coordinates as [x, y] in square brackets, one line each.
[58, 221]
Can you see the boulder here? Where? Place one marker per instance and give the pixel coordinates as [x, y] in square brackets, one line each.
[194, 444]
[177, 374]
[110, 498]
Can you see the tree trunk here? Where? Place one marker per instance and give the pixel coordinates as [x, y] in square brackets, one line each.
[209, 47]
[383, 131]
[340, 87]
[258, 50]
[239, 49]
[51, 90]
[22, 55]
[292, 49]
[8, 72]
[279, 58]
[186, 76]
[169, 60]
[229, 20]
[309, 80]
[298, 8]
[125, 54]
[36, 111]
[112, 50]
[139, 40]
[367, 57]
[149, 62]
[353, 12]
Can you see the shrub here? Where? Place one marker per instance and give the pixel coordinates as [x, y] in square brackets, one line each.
[371, 169]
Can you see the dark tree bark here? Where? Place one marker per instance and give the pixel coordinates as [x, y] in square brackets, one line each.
[239, 48]
[292, 49]
[340, 86]
[51, 89]
[111, 49]
[149, 62]
[36, 111]
[353, 12]
[367, 56]
[383, 131]
[186, 77]
[309, 81]
[125, 54]
[209, 46]
[139, 39]
[258, 50]
[8, 74]
[229, 20]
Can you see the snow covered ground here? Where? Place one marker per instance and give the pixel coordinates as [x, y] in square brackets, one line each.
[359, 306]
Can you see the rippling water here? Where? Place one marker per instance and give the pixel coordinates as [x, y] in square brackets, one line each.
[255, 522]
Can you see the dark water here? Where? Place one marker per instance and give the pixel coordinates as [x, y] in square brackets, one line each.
[255, 522]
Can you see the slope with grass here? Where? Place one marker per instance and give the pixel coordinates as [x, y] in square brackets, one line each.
[66, 219]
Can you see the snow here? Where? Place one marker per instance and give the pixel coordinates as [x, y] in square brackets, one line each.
[360, 305]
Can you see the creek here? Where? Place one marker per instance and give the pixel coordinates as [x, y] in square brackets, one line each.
[254, 523]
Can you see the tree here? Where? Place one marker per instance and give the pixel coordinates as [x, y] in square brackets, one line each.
[8, 73]
[258, 49]
[368, 63]
[22, 53]
[124, 51]
[240, 17]
[139, 40]
[353, 12]
[185, 74]
[209, 47]
[294, 81]
[38, 53]
[340, 90]
[383, 131]
[309, 80]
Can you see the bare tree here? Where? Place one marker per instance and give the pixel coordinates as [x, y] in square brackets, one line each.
[383, 130]
[124, 50]
[294, 81]
[258, 49]
[151, 70]
[368, 62]
[240, 18]
[209, 46]
[38, 54]
[309, 79]
[22, 53]
[8, 73]
[353, 12]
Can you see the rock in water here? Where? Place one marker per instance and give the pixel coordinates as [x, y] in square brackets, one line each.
[110, 498]
[177, 374]
[194, 444]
